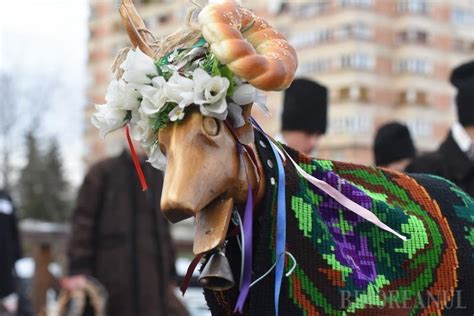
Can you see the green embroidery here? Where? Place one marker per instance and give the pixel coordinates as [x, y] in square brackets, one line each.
[418, 238]
[372, 297]
[303, 213]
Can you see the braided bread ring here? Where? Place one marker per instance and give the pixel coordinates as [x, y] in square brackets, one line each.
[259, 55]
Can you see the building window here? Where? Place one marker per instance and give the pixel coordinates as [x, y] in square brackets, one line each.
[302, 40]
[412, 97]
[362, 30]
[356, 3]
[354, 93]
[314, 66]
[414, 66]
[308, 39]
[353, 124]
[420, 127]
[307, 9]
[412, 6]
[358, 30]
[462, 16]
[359, 61]
[412, 36]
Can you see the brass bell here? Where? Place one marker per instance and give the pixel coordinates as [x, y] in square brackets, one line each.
[217, 275]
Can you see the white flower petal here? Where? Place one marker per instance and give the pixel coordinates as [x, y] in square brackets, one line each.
[217, 110]
[159, 82]
[157, 159]
[108, 119]
[154, 99]
[200, 79]
[244, 94]
[179, 89]
[215, 89]
[176, 114]
[138, 68]
[122, 95]
[235, 113]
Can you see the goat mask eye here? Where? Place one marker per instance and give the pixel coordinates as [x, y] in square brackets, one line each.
[210, 126]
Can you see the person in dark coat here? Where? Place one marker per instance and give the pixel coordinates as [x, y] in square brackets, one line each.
[393, 146]
[120, 237]
[304, 116]
[454, 159]
[10, 248]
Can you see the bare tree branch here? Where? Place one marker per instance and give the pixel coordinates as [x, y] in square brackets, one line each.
[23, 104]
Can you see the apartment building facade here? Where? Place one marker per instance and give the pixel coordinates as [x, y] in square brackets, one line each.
[382, 60]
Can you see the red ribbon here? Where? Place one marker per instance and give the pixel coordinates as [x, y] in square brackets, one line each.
[136, 162]
[189, 274]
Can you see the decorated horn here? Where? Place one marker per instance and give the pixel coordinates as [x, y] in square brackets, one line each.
[217, 275]
[135, 27]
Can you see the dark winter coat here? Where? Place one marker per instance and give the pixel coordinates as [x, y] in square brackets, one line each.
[449, 162]
[120, 237]
[10, 250]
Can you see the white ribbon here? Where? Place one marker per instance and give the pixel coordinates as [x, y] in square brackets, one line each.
[343, 200]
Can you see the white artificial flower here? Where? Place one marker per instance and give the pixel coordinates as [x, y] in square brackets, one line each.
[176, 114]
[122, 95]
[140, 130]
[200, 79]
[210, 94]
[235, 113]
[156, 158]
[244, 94]
[217, 110]
[137, 115]
[179, 89]
[108, 118]
[138, 68]
[207, 89]
[154, 97]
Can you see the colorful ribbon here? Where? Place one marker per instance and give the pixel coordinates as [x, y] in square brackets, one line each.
[280, 228]
[336, 194]
[248, 227]
[136, 162]
[189, 273]
[345, 201]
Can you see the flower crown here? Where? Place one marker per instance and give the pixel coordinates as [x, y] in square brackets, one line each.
[152, 93]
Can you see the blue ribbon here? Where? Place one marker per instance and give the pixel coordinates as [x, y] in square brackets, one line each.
[281, 220]
[280, 228]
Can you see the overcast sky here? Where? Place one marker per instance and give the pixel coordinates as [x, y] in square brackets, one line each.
[48, 39]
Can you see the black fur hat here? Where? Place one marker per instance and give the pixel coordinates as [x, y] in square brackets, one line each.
[305, 107]
[462, 78]
[392, 143]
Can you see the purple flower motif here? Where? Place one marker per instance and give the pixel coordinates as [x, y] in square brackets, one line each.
[351, 248]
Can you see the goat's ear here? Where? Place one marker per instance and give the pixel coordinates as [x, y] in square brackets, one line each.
[245, 133]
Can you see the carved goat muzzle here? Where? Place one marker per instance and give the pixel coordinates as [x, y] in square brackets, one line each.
[202, 165]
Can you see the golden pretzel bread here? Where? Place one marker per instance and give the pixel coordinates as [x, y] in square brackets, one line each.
[259, 55]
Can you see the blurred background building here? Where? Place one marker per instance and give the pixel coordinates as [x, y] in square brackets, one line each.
[380, 59]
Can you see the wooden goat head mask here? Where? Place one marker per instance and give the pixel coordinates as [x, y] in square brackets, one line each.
[205, 175]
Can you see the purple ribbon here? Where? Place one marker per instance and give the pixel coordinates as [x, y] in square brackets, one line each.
[248, 227]
[280, 243]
